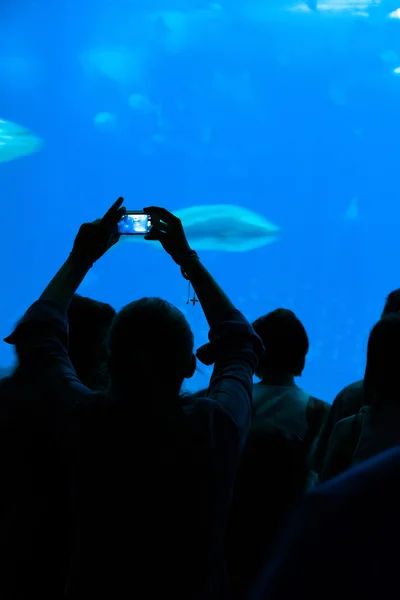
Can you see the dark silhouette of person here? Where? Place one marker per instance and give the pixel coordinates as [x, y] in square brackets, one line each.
[376, 427]
[151, 473]
[351, 399]
[278, 402]
[89, 328]
[34, 511]
[342, 540]
[275, 466]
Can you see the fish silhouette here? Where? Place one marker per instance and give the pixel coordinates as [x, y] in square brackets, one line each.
[222, 227]
[16, 141]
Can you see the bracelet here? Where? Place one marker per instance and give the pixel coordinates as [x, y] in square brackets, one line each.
[185, 259]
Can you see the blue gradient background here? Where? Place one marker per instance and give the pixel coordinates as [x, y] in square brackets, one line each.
[291, 114]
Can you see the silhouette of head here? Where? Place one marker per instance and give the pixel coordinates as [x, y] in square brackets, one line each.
[285, 341]
[89, 328]
[381, 379]
[151, 347]
[392, 304]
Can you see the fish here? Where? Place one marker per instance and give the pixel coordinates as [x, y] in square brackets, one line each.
[222, 227]
[16, 141]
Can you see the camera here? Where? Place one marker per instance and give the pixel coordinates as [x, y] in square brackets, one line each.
[134, 222]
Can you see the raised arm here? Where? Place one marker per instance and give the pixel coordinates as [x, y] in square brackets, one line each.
[168, 230]
[41, 337]
[93, 240]
[234, 347]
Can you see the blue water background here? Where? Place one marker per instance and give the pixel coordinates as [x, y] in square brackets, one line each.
[295, 116]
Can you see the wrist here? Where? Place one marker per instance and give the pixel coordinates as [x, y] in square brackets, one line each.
[186, 262]
[189, 266]
[182, 258]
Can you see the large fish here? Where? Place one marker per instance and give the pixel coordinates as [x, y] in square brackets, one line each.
[16, 141]
[223, 227]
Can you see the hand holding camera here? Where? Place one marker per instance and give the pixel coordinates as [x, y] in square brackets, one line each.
[94, 239]
[154, 223]
[168, 230]
[157, 224]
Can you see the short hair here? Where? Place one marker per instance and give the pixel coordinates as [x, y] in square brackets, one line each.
[383, 362]
[392, 304]
[89, 326]
[150, 337]
[285, 340]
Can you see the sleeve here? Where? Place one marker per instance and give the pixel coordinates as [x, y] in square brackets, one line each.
[323, 441]
[234, 348]
[41, 341]
[317, 415]
[341, 446]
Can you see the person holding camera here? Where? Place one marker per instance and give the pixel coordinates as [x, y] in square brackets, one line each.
[151, 472]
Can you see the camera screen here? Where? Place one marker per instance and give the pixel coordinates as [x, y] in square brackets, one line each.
[134, 224]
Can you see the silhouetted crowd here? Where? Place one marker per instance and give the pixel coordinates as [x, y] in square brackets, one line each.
[115, 484]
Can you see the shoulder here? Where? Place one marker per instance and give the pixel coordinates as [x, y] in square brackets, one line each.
[351, 391]
[344, 436]
[348, 401]
[317, 406]
[352, 388]
[344, 426]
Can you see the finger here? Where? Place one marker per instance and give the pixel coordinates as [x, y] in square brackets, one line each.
[157, 223]
[120, 213]
[155, 235]
[161, 213]
[113, 211]
[160, 226]
[111, 227]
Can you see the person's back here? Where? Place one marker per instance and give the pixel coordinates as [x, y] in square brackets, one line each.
[151, 507]
[155, 468]
[281, 408]
[284, 409]
[278, 403]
